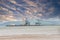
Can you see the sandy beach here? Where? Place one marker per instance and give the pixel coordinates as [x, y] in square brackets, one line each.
[31, 37]
[30, 33]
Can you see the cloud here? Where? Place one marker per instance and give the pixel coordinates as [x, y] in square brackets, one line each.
[7, 18]
[33, 10]
[52, 19]
[13, 1]
[5, 9]
[13, 8]
[30, 3]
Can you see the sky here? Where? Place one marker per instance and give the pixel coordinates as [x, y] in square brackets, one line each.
[31, 10]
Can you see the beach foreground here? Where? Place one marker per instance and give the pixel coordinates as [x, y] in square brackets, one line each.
[30, 33]
[31, 37]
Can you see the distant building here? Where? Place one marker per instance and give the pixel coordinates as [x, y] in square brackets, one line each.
[38, 23]
[27, 23]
